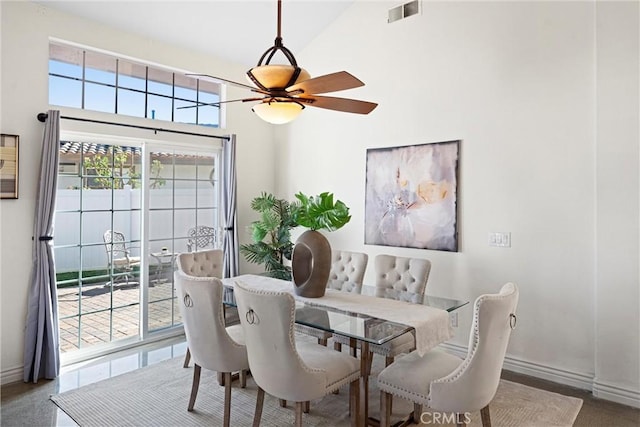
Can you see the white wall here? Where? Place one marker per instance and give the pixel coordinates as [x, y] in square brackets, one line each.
[25, 31]
[517, 83]
[617, 321]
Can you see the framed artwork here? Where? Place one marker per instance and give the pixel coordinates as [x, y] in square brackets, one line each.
[9, 166]
[411, 196]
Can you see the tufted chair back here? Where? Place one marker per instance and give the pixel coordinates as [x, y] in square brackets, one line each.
[267, 320]
[474, 383]
[202, 264]
[347, 270]
[211, 347]
[403, 279]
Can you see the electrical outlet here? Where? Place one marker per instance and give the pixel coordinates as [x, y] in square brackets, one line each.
[453, 318]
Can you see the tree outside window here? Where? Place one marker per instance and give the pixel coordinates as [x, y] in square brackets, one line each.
[117, 169]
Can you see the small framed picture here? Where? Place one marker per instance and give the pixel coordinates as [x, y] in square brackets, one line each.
[9, 166]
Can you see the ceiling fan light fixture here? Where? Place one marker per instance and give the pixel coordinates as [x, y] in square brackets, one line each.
[277, 113]
[276, 76]
[284, 88]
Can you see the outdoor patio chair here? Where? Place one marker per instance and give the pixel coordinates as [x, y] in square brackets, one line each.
[201, 237]
[119, 256]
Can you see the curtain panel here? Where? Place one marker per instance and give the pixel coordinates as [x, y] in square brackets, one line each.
[41, 343]
[229, 190]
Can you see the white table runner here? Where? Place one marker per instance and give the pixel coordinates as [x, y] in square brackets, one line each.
[431, 324]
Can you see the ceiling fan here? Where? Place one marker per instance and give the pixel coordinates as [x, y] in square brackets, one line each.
[284, 90]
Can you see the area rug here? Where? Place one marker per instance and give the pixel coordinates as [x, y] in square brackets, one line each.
[157, 395]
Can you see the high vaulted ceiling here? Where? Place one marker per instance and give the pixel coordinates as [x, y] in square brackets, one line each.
[235, 30]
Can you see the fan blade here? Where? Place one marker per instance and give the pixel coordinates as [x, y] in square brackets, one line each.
[242, 85]
[217, 104]
[338, 104]
[327, 83]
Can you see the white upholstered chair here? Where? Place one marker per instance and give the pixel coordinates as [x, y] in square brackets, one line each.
[347, 270]
[347, 274]
[200, 264]
[444, 382]
[403, 279]
[286, 369]
[213, 345]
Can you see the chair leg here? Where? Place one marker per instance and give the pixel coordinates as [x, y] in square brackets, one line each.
[194, 387]
[354, 402]
[337, 346]
[305, 407]
[227, 399]
[322, 341]
[243, 378]
[388, 360]
[385, 410]
[299, 409]
[258, 413]
[283, 403]
[220, 379]
[417, 412]
[485, 416]
[187, 358]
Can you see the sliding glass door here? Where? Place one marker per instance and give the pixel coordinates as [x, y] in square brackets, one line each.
[183, 195]
[124, 210]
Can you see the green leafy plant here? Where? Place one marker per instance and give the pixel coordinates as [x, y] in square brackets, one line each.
[123, 170]
[320, 212]
[271, 236]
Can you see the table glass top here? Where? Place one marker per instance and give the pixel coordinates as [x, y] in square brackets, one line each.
[356, 325]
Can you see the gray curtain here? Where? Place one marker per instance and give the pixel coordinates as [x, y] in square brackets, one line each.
[41, 342]
[230, 229]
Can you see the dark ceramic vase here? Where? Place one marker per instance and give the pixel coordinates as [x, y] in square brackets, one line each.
[311, 264]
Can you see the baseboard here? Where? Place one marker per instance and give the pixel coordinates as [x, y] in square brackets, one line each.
[12, 375]
[608, 391]
[521, 366]
[600, 389]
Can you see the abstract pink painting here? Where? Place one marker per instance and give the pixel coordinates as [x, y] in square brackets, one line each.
[411, 196]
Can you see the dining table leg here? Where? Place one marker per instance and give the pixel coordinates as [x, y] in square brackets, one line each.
[364, 380]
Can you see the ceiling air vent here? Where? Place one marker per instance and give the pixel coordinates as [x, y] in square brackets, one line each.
[404, 11]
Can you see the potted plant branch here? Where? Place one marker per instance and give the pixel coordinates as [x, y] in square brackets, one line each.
[271, 236]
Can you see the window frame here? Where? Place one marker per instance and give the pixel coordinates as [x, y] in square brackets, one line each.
[185, 83]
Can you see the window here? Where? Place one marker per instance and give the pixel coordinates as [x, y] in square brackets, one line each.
[91, 80]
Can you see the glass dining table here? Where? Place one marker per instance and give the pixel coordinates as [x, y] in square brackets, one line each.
[360, 329]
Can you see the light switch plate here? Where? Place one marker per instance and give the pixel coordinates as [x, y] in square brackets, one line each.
[500, 239]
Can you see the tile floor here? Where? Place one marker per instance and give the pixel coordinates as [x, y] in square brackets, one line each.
[24, 404]
[29, 405]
